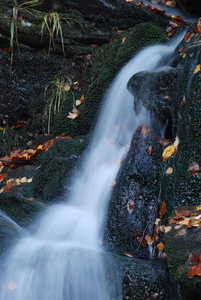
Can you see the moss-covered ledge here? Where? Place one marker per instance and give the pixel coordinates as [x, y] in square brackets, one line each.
[179, 242]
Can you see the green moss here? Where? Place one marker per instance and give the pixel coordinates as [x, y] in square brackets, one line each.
[54, 176]
[107, 61]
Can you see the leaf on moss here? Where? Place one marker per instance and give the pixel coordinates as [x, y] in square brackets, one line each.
[194, 168]
[196, 270]
[162, 209]
[193, 259]
[74, 114]
[169, 171]
[160, 246]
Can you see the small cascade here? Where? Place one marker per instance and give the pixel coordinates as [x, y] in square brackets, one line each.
[63, 259]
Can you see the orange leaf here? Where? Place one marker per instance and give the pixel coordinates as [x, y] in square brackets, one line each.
[145, 129]
[78, 102]
[162, 210]
[31, 199]
[123, 40]
[156, 232]
[149, 240]
[194, 168]
[188, 36]
[196, 270]
[3, 176]
[9, 184]
[160, 246]
[199, 25]
[183, 101]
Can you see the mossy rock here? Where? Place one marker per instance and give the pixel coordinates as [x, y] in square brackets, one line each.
[107, 61]
[179, 243]
[135, 197]
[56, 169]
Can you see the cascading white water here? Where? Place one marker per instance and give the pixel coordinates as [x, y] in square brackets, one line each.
[62, 260]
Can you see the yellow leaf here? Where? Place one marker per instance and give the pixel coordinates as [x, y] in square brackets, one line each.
[184, 55]
[30, 179]
[23, 180]
[160, 246]
[40, 147]
[168, 151]
[1, 190]
[169, 171]
[114, 183]
[18, 181]
[123, 40]
[198, 207]
[197, 69]
[66, 87]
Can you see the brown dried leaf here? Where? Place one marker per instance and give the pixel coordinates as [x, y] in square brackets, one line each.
[130, 206]
[196, 270]
[193, 259]
[194, 169]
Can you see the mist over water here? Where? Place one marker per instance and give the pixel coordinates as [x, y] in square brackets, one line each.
[64, 259]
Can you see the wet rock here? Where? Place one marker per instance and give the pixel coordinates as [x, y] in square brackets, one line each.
[145, 279]
[138, 181]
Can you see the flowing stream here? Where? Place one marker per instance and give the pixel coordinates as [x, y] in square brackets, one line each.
[64, 259]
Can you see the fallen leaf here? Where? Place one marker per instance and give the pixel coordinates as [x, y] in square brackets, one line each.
[18, 181]
[74, 114]
[199, 25]
[149, 240]
[169, 170]
[2, 176]
[184, 55]
[157, 221]
[156, 232]
[196, 270]
[31, 199]
[194, 169]
[168, 228]
[188, 36]
[162, 209]
[160, 246]
[123, 40]
[150, 149]
[78, 102]
[29, 180]
[197, 69]
[164, 142]
[168, 152]
[128, 254]
[130, 206]
[198, 207]
[181, 232]
[193, 259]
[23, 179]
[183, 101]
[145, 129]
[162, 228]
[162, 255]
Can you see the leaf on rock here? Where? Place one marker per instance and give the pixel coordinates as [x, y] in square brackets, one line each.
[78, 102]
[130, 206]
[123, 40]
[188, 36]
[128, 254]
[199, 25]
[168, 152]
[149, 240]
[162, 209]
[196, 270]
[193, 259]
[169, 171]
[164, 142]
[160, 246]
[197, 69]
[74, 114]
[145, 129]
[2, 176]
[194, 168]
[150, 149]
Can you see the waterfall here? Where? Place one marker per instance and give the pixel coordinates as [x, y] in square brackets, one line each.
[63, 259]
